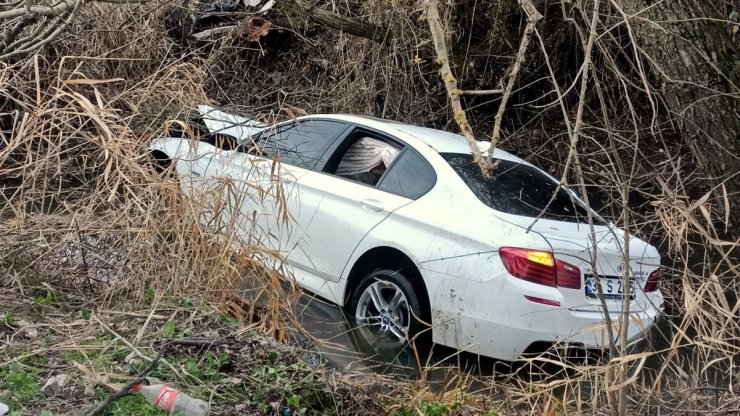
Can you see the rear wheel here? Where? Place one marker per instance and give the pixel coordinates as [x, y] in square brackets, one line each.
[387, 310]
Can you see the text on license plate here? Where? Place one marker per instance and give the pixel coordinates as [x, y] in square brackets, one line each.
[613, 288]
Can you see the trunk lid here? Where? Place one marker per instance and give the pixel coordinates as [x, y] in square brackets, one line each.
[572, 243]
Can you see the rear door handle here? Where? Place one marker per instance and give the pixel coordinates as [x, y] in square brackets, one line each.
[372, 204]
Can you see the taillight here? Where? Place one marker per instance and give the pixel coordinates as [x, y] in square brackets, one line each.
[568, 275]
[652, 281]
[534, 266]
[540, 267]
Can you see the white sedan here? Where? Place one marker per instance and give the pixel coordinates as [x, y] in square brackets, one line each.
[396, 224]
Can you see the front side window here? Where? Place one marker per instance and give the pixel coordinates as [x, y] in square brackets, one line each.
[366, 160]
[300, 143]
[519, 189]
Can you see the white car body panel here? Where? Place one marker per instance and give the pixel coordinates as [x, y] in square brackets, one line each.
[452, 237]
[232, 125]
[338, 223]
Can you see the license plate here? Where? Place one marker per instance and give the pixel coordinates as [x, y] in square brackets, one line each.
[613, 288]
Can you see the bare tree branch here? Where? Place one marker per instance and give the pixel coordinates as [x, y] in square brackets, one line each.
[453, 92]
[51, 21]
[533, 16]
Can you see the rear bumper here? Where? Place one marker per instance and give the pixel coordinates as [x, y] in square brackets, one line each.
[495, 319]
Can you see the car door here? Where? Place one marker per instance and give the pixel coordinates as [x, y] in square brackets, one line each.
[348, 210]
[224, 183]
[261, 181]
[301, 149]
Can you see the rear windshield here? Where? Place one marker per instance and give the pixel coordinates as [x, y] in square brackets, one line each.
[518, 189]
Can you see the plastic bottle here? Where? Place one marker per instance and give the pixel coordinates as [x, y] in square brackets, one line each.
[171, 400]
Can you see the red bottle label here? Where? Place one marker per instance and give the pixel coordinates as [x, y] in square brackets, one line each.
[166, 398]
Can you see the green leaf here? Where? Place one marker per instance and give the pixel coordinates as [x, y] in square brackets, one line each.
[84, 313]
[9, 318]
[168, 329]
[45, 300]
[294, 401]
[191, 366]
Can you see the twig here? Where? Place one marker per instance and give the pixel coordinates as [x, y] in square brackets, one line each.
[84, 257]
[198, 342]
[533, 16]
[126, 390]
[481, 92]
[131, 346]
[214, 31]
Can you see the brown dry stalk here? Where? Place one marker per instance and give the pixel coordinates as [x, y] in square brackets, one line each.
[533, 16]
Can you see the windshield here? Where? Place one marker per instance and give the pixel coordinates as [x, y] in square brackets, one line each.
[519, 189]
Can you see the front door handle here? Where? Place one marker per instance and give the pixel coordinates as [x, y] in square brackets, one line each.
[372, 204]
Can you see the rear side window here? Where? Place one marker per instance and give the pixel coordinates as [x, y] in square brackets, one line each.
[518, 189]
[410, 176]
[300, 143]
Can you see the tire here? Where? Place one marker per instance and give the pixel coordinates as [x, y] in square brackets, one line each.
[386, 310]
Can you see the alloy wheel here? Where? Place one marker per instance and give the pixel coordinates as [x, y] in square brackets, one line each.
[384, 308]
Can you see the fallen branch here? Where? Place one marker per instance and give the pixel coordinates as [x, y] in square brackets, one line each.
[126, 390]
[533, 16]
[198, 342]
[351, 25]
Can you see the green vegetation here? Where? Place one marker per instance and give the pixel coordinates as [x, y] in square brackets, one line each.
[243, 370]
[21, 381]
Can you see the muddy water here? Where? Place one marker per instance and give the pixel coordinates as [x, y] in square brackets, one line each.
[337, 344]
[333, 341]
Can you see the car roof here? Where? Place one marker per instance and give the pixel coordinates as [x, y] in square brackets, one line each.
[439, 140]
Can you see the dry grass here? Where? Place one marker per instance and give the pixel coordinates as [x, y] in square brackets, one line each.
[82, 212]
[77, 182]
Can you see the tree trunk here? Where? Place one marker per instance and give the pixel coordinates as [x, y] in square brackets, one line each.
[689, 48]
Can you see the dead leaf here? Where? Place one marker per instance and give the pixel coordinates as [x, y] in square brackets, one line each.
[254, 29]
[28, 331]
[55, 385]
[298, 110]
